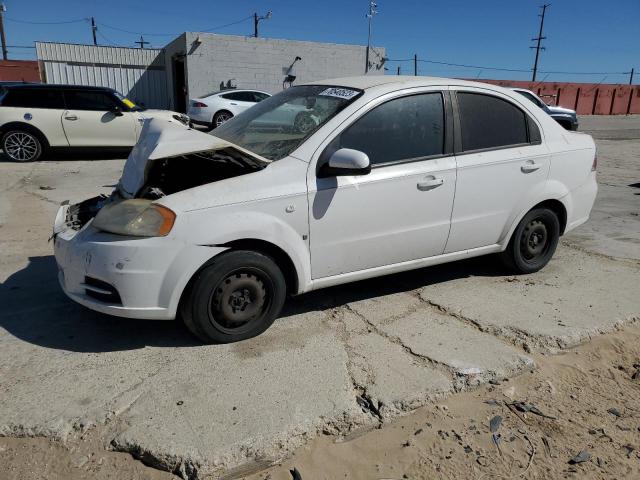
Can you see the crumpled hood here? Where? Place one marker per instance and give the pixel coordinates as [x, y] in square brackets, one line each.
[162, 138]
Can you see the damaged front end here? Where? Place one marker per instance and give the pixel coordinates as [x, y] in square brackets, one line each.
[168, 158]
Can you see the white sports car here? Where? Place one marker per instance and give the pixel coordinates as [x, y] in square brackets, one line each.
[394, 173]
[214, 109]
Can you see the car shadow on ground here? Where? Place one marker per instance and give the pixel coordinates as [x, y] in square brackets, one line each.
[76, 154]
[35, 310]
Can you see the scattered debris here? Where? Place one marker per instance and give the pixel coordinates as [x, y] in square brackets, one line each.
[468, 449]
[418, 431]
[581, 457]
[615, 412]
[528, 407]
[295, 474]
[367, 405]
[495, 423]
[46, 187]
[547, 447]
[406, 444]
[179, 402]
[629, 448]
[492, 402]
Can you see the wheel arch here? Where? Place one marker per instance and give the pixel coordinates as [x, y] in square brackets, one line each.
[27, 127]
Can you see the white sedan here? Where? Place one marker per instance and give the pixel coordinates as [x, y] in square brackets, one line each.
[396, 173]
[216, 108]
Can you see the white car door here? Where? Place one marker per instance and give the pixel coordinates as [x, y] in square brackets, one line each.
[91, 120]
[502, 162]
[401, 210]
[239, 101]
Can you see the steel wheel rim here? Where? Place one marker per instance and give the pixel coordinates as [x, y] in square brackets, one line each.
[239, 300]
[221, 118]
[534, 241]
[21, 146]
[305, 123]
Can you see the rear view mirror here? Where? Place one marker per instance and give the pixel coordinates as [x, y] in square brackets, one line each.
[346, 161]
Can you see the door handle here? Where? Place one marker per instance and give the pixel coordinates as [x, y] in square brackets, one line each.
[232, 103]
[529, 167]
[70, 117]
[429, 183]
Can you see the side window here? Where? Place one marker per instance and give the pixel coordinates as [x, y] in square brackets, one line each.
[89, 100]
[400, 129]
[489, 122]
[33, 98]
[239, 96]
[259, 96]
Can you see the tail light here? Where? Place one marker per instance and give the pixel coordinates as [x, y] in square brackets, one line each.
[594, 165]
[198, 104]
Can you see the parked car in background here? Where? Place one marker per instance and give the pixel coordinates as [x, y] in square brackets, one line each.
[564, 116]
[397, 173]
[214, 109]
[37, 117]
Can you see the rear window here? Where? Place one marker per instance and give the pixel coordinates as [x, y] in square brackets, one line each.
[490, 122]
[33, 98]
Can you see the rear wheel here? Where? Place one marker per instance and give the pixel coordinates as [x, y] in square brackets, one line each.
[221, 117]
[533, 242]
[21, 146]
[236, 296]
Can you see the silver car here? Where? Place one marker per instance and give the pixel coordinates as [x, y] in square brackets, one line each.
[564, 116]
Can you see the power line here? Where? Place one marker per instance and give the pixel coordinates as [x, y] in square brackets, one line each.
[46, 23]
[149, 34]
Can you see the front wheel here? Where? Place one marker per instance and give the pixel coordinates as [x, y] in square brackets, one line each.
[221, 118]
[21, 146]
[533, 242]
[235, 297]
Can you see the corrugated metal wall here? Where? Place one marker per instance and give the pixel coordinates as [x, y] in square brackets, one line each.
[137, 73]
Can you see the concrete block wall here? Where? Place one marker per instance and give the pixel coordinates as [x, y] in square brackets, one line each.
[261, 63]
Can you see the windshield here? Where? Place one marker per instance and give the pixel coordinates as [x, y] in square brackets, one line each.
[276, 126]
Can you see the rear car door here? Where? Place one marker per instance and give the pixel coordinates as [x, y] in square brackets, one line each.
[501, 160]
[90, 120]
[401, 210]
[240, 100]
[38, 106]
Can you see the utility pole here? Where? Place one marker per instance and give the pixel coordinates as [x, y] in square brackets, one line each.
[539, 39]
[398, 69]
[415, 64]
[141, 42]
[5, 54]
[630, 76]
[372, 12]
[94, 29]
[256, 20]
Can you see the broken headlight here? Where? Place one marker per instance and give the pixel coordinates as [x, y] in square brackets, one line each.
[137, 217]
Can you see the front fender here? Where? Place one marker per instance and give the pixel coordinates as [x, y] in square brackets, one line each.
[290, 233]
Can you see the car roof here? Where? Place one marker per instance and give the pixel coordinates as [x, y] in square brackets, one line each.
[231, 90]
[364, 82]
[518, 89]
[56, 86]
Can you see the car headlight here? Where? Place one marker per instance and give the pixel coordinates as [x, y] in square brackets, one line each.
[137, 217]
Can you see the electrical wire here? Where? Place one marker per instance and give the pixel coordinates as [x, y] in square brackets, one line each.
[46, 23]
[148, 34]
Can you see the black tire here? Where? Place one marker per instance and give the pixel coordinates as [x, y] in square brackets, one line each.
[219, 118]
[236, 296]
[533, 242]
[22, 145]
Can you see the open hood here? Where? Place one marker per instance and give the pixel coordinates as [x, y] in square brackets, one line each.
[163, 140]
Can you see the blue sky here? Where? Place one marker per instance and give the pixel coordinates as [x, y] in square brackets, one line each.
[583, 35]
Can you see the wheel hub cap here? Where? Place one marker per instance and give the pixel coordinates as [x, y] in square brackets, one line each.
[20, 146]
[238, 299]
[534, 239]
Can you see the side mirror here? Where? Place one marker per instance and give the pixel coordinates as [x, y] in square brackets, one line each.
[346, 161]
[116, 110]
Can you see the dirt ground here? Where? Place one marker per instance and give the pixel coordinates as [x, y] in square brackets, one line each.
[587, 400]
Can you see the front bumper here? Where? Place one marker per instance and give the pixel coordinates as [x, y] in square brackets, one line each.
[148, 274]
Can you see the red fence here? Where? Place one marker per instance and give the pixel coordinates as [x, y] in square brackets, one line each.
[19, 71]
[584, 98]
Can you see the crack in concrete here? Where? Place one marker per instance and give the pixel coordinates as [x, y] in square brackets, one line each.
[573, 246]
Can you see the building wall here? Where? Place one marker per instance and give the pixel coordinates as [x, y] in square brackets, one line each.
[261, 63]
[19, 71]
[584, 98]
[137, 73]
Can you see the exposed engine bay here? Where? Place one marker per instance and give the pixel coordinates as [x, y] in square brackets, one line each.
[165, 176]
[174, 174]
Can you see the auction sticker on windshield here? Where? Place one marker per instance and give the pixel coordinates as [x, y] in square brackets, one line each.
[345, 93]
